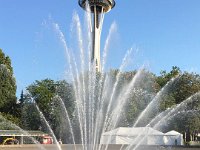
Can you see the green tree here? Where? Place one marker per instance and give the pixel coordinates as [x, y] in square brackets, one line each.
[52, 97]
[21, 100]
[5, 60]
[140, 95]
[42, 92]
[9, 122]
[168, 101]
[165, 77]
[185, 86]
[30, 117]
[7, 85]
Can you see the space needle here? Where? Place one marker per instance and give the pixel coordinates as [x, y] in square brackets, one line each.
[97, 8]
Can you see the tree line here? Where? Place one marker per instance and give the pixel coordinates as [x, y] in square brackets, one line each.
[50, 98]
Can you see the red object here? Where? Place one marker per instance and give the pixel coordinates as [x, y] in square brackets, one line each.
[46, 140]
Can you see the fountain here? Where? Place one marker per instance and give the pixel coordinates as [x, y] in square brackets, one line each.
[101, 98]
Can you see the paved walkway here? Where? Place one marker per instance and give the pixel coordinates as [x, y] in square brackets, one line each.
[79, 147]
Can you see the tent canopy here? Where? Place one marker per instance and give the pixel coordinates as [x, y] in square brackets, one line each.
[172, 133]
[142, 135]
[122, 131]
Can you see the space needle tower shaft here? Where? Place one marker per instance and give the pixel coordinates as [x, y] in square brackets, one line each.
[97, 8]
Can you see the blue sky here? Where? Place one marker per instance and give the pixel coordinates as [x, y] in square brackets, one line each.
[166, 33]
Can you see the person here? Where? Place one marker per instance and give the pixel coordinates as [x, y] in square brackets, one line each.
[184, 136]
[188, 137]
[60, 141]
[16, 141]
[175, 142]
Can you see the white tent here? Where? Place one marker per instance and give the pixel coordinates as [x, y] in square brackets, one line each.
[173, 138]
[141, 135]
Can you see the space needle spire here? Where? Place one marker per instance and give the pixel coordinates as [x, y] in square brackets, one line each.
[97, 7]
